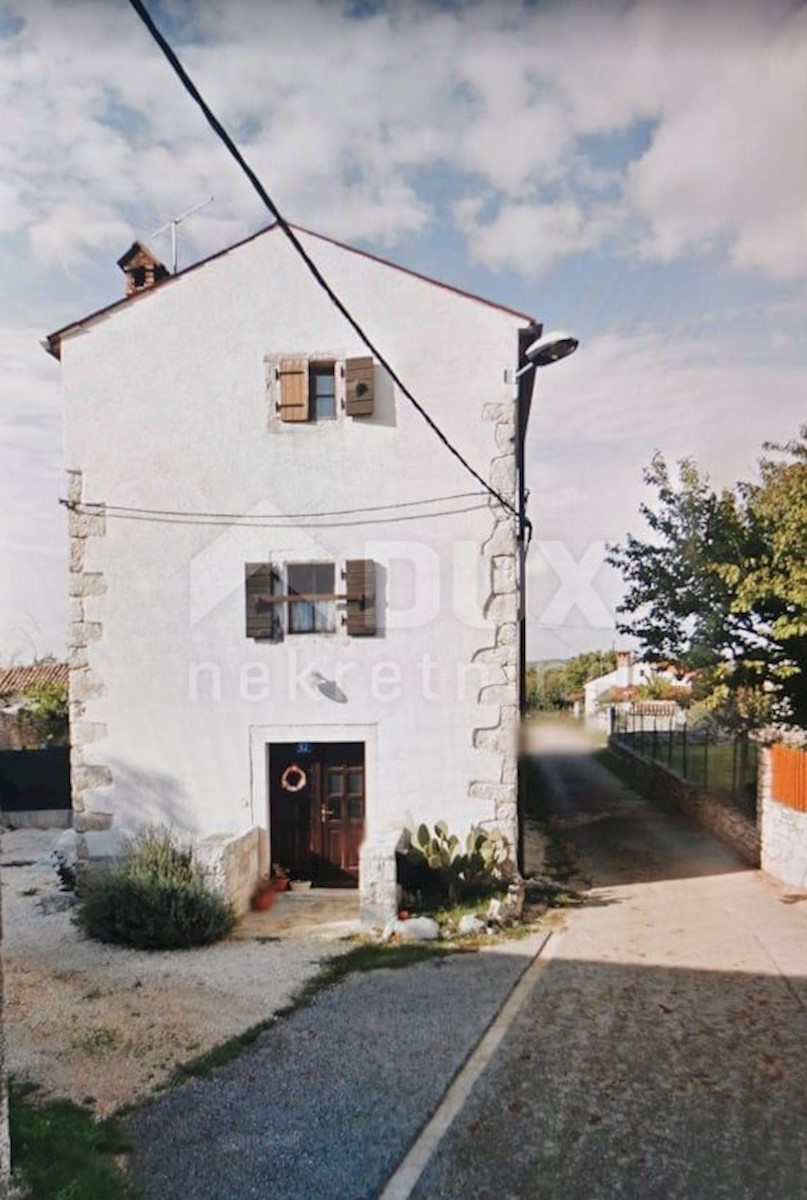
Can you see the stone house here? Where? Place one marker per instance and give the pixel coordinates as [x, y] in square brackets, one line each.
[17, 731]
[295, 629]
[617, 688]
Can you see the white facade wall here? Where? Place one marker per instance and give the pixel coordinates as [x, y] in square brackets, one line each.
[168, 406]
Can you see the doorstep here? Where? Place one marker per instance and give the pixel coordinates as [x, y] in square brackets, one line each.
[323, 913]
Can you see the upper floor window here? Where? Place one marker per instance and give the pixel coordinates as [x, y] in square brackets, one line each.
[319, 389]
[296, 598]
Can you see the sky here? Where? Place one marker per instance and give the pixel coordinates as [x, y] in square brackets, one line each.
[635, 173]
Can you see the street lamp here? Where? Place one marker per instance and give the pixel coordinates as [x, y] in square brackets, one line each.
[541, 352]
[547, 349]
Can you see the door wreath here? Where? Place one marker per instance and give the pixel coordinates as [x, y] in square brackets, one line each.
[293, 778]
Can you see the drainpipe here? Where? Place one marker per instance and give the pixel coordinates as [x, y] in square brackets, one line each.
[526, 337]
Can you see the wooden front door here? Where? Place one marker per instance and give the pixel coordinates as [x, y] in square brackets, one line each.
[317, 804]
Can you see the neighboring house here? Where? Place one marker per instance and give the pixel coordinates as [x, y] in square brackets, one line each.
[292, 688]
[16, 731]
[618, 687]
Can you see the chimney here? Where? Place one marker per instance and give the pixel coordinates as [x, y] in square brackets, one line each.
[141, 268]
[624, 663]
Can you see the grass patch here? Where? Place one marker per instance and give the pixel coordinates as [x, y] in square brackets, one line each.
[60, 1152]
[367, 956]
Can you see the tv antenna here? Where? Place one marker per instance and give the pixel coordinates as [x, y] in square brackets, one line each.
[172, 224]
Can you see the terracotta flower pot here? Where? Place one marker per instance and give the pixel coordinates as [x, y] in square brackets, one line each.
[263, 900]
[280, 884]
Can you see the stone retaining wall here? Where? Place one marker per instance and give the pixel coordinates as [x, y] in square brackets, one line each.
[730, 825]
[379, 895]
[783, 831]
[232, 864]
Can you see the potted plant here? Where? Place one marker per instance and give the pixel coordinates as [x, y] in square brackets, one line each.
[280, 878]
[264, 895]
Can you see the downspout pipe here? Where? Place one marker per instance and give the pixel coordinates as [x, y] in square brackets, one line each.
[526, 337]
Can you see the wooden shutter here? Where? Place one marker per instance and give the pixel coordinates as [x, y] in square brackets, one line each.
[359, 387]
[263, 585]
[293, 389]
[361, 609]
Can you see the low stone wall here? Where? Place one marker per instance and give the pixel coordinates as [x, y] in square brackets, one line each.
[731, 826]
[783, 830]
[233, 863]
[378, 877]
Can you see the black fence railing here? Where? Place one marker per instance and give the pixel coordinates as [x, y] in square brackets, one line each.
[725, 765]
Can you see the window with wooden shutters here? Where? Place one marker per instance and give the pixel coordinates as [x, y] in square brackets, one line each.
[359, 387]
[301, 598]
[293, 374]
[264, 616]
[361, 597]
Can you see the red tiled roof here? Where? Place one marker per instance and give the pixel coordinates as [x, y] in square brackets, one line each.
[52, 342]
[16, 680]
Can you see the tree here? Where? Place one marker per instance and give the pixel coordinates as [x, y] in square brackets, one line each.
[722, 585]
[550, 686]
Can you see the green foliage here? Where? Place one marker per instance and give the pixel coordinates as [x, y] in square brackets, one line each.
[154, 856]
[657, 687]
[722, 583]
[550, 686]
[448, 872]
[47, 705]
[155, 900]
[59, 1152]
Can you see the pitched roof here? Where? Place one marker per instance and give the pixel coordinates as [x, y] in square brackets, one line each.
[52, 342]
[15, 680]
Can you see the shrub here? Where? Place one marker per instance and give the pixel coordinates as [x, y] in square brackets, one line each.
[47, 707]
[155, 900]
[441, 871]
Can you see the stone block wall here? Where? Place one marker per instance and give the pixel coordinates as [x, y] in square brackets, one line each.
[731, 826]
[501, 657]
[379, 895]
[84, 523]
[232, 864]
[783, 829]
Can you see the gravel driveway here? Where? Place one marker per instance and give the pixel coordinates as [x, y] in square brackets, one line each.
[108, 1024]
[328, 1101]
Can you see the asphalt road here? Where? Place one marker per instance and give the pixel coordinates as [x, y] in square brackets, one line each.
[662, 1052]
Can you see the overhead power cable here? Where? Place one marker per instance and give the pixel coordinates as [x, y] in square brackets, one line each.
[228, 516]
[252, 521]
[217, 127]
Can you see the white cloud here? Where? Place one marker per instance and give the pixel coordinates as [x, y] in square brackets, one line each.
[599, 416]
[530, 238]
[33, 544]
[508, 98]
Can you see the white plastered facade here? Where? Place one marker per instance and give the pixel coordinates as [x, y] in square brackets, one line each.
[170, 404]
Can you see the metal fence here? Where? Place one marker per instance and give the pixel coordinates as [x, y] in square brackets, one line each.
[724, 765]
[32, 780]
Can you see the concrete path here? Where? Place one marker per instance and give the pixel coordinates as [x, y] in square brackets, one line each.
[662, 1052]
